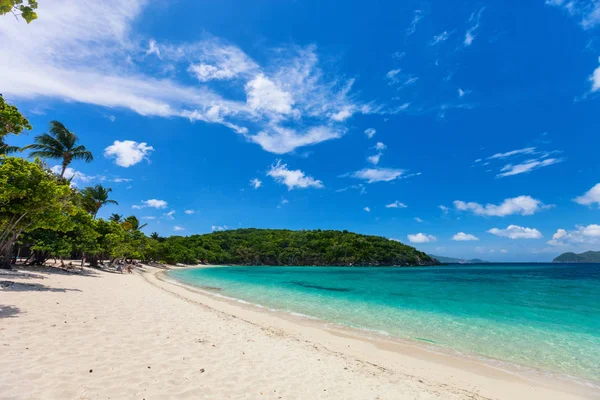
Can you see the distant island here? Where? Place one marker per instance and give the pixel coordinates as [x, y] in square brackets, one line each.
[287, 247]
[451, 260]
[587, 257]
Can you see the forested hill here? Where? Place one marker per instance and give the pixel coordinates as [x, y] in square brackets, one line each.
[587, 257]
[286, 247]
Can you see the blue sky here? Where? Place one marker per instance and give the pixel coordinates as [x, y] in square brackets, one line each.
[466, 130]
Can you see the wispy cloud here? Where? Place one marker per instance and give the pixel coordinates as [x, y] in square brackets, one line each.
[170, 214]
[417, 17]
[442, 37]
[293, 179]
[190, 212]
[522, 205]
[372, 175]
[472, 31]
[291, 101]
[587, 11]
[528, 166]
[396, 204]
[527, 150]
[367, 209]
[370, 132]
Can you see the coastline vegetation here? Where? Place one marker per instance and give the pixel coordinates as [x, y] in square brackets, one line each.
[42, 215]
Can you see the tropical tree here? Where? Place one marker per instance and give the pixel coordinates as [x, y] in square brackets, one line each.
[12, 122]
[115, 218]
[154, 235]
[59, 144]
[30, 198]
[94, 197]
[132, 223]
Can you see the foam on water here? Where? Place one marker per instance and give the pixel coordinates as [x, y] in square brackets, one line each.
[539, 317]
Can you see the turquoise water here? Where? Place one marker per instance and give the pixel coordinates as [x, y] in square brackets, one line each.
[541, 316]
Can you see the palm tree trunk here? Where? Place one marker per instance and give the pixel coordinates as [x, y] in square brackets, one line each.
[64, 168]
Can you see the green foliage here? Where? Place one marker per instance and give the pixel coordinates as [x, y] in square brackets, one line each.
[18, 7]
[30, 198]
[11, 122]
[285, 247]
[59, 144]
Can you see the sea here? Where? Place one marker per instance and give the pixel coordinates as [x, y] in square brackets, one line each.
[526, 317]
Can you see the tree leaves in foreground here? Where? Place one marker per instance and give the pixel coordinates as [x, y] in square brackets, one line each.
[25, 9]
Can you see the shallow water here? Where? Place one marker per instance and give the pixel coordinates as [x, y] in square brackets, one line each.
[544, 316]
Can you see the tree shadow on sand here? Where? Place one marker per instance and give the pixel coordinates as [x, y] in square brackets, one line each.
[9, 311]
[11, 286]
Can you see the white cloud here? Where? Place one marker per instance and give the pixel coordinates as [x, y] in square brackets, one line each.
[189, 212]
[582, 235]
[216, 228]
[523, 205]
[178, 228]
[280, 140]
[255, 183]
[77, 178]
[121, 180]
[367, 209]
[170, 214]
[292, 101]
[472, 31]
[374, 159]
[590, 197]
[417, 16]
[264, 95]
[516, 232]
[462, 93]
[527, 150]
[421, 238]
[463, 237]
[588, 11]
[380, 146]
[595, 79]
[149, 217]
[370, 132]
[128, 152]
[528, 166]
[396, 204]
[419, 220]
[152, 203]
[372, 175]
[504, 251]
[442, 37]
[444, 209]
[153, 49]
[220, 61]
[292, 178]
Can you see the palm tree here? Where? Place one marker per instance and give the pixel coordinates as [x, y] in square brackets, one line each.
[95, 197]
[6, 149]
[115, 218]
[154, 235]
[59, 144]
[132, 223]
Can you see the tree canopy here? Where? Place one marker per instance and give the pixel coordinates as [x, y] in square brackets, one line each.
[25, 9]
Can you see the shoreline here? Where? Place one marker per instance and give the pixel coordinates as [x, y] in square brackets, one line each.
[458, 363]
[97, 334]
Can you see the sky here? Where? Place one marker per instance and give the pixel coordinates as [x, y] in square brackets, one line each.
[467, 130]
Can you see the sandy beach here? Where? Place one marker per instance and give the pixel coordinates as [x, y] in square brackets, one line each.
[100, 335]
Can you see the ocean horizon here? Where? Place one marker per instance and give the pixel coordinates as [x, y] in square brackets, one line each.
[532, 316]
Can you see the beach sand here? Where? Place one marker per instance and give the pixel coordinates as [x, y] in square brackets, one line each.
[99, 335]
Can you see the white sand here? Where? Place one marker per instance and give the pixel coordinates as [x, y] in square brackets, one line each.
[111, 336]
